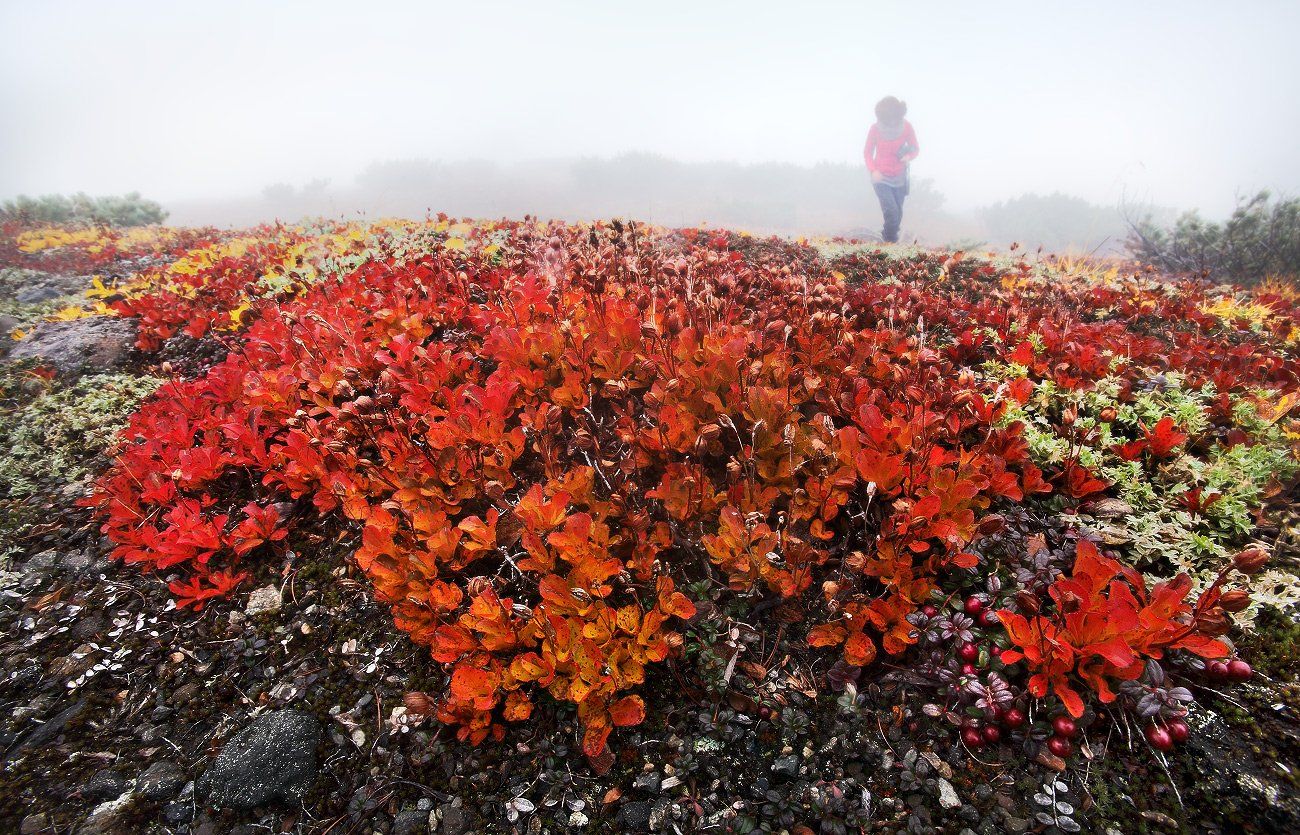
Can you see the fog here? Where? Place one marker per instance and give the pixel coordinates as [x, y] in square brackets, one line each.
[749, 113]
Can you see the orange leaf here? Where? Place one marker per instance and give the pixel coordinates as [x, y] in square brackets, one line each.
[629, 710]
[827, 635]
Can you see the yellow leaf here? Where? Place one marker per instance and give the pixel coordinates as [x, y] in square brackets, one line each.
[237, 314]
[18, 334]
[455, 243]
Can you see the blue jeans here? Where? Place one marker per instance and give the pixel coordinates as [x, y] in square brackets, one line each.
[891, 206]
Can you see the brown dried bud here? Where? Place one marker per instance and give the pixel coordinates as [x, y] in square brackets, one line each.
[418, 703]
[1027, 603]
[1108, 414]
[1235, 601]
[1213, 622]
[710, 433]
[1068, 416]
[365, 403]
[1250, 561]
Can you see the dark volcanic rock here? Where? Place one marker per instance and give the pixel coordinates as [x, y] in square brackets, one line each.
[635, 816]
[160, 781]
[93, 345]
[104, 785]
[274, 758]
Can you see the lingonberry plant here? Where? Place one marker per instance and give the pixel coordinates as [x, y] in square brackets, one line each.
[541, 434]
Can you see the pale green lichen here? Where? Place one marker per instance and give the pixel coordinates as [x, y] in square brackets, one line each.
[54, 438]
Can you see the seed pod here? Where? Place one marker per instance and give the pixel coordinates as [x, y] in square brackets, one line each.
[1027, 603]
[418, 703]
[1235, 601]
[1213, 622]
[1250, 561]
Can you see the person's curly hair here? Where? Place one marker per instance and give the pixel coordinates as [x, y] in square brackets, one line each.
[890, 110]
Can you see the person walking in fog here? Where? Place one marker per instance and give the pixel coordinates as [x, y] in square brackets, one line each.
[891, 145]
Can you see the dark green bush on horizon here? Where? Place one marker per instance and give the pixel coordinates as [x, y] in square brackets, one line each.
[1260, 239]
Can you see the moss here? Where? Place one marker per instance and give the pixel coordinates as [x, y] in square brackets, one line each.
[1274, 646]
[53, 438]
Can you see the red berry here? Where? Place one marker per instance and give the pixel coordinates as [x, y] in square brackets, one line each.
[974, 605]
[1060, 746]
[968, 652]
[1159, 738]
[1238, 670]
[989, 618]
[1217, 669]
[929, 611]
[992, 734]
[1177, 730]
[1064, 726]
[1013, 718]
[968, 669]
[972, 737]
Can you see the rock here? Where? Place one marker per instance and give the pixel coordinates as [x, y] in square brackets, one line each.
[273, 758]
[160, 781]
[76, 563]
[648, 782]
[110, 818]
[39, 566]
[948, 798]
[1047, 758]
[410, 821]
[104, 785]
[93, 345]
[937, 764]
[44, 732]
[1160, 819]
[36, 824]
[36, 293]
[787, 766]
[263, 601]
[175, 814]
[635, 816]
[184, 694]
[1108, 508]
[7, 325]
[454, 817]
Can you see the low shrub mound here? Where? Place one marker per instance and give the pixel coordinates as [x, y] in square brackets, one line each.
[557, 446]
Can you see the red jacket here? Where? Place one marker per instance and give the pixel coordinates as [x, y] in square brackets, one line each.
[882, 154]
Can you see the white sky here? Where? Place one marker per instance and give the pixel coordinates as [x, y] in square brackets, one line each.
[1184, 103]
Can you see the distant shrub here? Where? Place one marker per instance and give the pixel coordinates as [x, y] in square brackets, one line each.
[82, 209]
[1260, 239]
[1054, 221]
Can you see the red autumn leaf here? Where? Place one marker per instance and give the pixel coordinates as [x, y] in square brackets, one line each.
[629, 710]
[1163, 438]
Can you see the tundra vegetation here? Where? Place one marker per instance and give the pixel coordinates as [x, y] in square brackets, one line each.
[674, 529]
